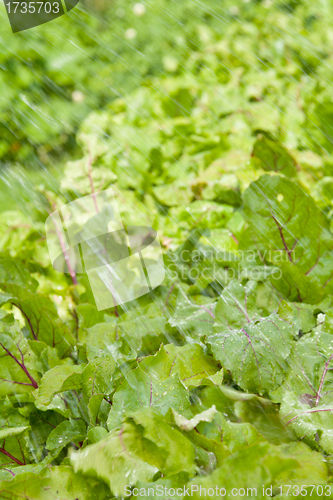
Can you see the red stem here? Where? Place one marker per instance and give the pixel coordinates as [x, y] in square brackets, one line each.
[28, 320]
[323, 379]
[22, 366]
[283, 240]
[307, 412]
[2, 450]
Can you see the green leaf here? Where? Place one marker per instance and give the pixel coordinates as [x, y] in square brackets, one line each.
[41, 317]
[13, 272]
[177, 449]
[96, 376]
[145, 335]
[66, 432]
[237, 306]
[13, 443]
[234, 435]
[42, 423]
[146, 389]
[96, 383]
[203, 214]
[193, 320]
[11, 431]
[162, 486]
[173, 195]
[225, 190]
[305, 314]
[143, 446]
[311, 465]
[122, 458]
[255, 354]
[293, 235]
[105, 339]
[96, 434]
[160, 381]
[188, 361]
[188, 425]
[59, 379]
[77, 173]
[18, 367]
[305, 396]
[273, 156]
[54, 482]
[253, 467]
[264, 416]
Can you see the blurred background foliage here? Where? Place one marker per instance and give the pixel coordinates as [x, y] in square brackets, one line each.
[54, 75]
[222, 60]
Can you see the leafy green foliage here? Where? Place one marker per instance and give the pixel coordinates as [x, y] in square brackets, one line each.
[221, 376]
[287, 221]
[254, 351]
[306, 401]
